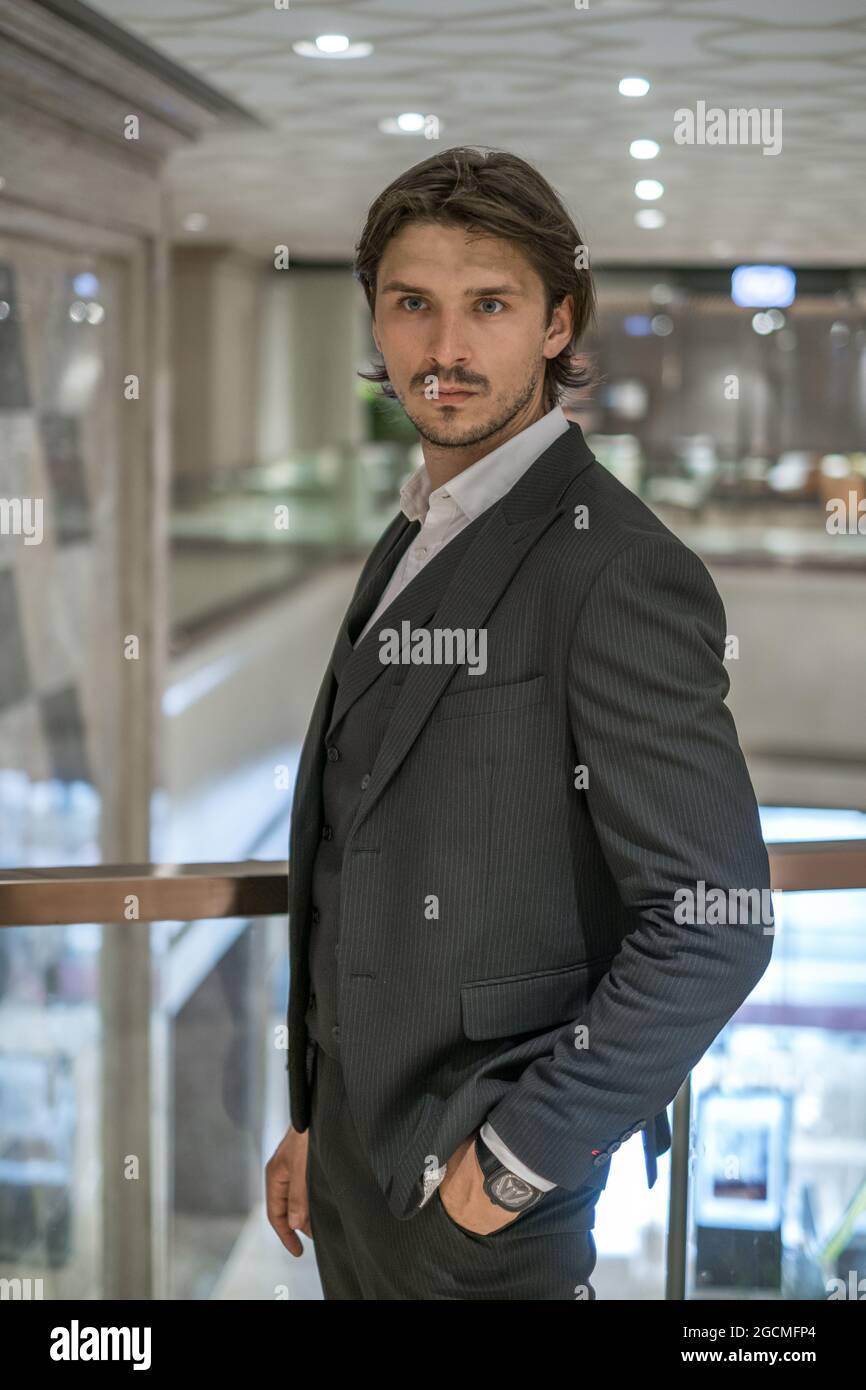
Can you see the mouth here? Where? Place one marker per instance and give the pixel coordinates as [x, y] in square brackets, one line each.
[453, 397]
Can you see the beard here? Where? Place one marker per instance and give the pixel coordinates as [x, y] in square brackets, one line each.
[453, 435]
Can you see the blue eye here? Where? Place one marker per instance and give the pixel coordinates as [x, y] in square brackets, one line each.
[497, 302]
[411, 299]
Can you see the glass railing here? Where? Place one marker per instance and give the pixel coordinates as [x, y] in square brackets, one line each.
[253, 533]
[142, 1088]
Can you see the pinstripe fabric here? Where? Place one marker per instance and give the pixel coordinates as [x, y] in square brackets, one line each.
[362, 1252]
[554, 905]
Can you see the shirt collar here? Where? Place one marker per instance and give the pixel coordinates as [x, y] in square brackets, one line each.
[489, 478]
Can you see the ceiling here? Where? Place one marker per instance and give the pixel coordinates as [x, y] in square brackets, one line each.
[538, 77]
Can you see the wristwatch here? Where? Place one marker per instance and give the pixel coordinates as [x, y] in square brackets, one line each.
[503, 1187]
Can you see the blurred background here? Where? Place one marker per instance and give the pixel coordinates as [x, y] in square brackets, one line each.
[192, 473]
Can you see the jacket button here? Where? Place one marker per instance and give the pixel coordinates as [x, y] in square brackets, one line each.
[335, 1031]
[316, 916]
[333, 754]
[365, 781]
[327, 832]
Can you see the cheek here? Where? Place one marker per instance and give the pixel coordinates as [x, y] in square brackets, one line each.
[398, 340]
[508, 345]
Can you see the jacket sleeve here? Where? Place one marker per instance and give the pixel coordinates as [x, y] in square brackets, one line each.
[672, 805]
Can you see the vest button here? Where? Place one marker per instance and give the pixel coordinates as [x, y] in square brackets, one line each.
[333, 754]
[335, 1031]
[365, 781]
[327, 832]
[316, 916]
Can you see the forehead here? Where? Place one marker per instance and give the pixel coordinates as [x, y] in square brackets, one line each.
[436, 251]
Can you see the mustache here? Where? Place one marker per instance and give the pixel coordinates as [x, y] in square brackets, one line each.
[446, 382]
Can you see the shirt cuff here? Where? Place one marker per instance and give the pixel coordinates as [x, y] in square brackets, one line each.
[513, 1164]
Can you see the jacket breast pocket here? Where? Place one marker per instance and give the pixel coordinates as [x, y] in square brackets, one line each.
[491, 699]
[528, 1003]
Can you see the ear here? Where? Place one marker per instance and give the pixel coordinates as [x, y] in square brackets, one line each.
[560, 328]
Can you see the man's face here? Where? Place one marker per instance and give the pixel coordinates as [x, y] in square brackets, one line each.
[458, 310]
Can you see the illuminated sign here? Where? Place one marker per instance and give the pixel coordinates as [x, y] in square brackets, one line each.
[763, 286]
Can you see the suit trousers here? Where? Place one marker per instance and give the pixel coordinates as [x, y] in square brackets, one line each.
[364, 1252]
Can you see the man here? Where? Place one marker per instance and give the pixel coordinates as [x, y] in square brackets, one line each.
[519, 768]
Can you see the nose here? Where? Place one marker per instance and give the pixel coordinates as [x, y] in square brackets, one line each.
[447, 346]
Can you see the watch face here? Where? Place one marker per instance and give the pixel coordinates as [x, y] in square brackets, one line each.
[512, 1191]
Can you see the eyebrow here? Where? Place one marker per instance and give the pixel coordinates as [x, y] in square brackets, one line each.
[400, 287]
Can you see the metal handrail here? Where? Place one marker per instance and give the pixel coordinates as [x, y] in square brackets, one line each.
[161, 893]
[259, 888]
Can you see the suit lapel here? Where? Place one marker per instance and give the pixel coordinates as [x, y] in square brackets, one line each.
[417, 602]
[396, 539]
[499, 541]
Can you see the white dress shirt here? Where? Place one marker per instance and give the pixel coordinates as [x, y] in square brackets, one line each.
[443, 514]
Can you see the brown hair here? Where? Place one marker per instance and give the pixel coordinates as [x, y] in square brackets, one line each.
[498, 193]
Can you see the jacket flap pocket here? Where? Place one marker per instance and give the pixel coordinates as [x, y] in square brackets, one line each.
[528, 1003]
[491, 699]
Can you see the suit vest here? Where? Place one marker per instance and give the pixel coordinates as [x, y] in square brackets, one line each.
[351, 748]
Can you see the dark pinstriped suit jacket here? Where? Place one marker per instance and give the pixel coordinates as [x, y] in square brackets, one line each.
[554, 993]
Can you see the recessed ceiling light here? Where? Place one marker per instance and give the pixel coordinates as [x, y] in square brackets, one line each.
[643, 149]
[633, 87]
[331, 46]
[332, 43]
[650, 219]
[194, 222]
[649, 189]
[410, 123]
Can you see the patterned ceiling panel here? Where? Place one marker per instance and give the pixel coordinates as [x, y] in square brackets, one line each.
[541, 79]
